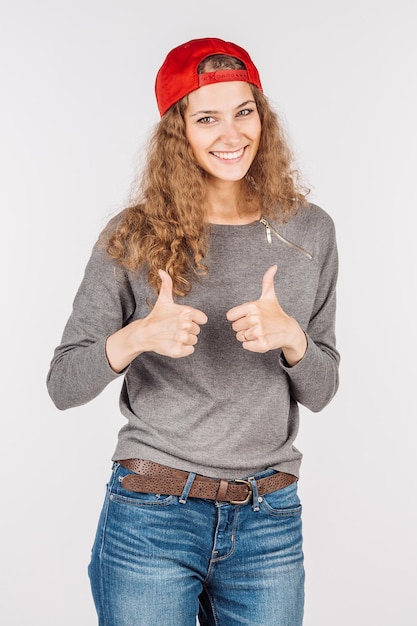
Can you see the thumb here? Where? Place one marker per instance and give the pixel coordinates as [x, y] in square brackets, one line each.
[165, 292]
[268, 288]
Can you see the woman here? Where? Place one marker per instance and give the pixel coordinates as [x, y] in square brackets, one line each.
[213, 295]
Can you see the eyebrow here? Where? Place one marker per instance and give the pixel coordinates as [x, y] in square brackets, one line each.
[243, 104]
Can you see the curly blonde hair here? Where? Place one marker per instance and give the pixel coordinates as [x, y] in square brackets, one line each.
[165, 227]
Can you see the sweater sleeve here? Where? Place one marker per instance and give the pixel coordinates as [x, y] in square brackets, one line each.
[79, 370]
[315, 379]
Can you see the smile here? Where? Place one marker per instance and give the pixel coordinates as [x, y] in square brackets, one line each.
[229, 156]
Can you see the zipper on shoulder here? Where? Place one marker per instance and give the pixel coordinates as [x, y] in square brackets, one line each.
[269, 229]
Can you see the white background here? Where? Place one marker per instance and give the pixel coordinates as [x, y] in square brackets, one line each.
[76, 106]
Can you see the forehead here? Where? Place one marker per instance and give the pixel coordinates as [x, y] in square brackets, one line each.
[219, 96]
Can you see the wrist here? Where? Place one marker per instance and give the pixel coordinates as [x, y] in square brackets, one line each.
[296, 349]
[124, 346]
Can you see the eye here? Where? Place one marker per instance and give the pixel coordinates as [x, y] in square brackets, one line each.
[244, 112]
[206, 120]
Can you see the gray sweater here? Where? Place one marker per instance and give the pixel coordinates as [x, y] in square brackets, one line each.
[223, 411]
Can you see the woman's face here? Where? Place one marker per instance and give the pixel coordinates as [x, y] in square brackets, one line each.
[223, 128]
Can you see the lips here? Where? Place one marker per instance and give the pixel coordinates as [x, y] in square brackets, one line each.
[229, 156]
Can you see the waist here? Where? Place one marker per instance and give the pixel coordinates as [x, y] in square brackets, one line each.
[151, 477]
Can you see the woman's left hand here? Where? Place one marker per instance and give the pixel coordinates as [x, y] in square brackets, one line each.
[262, 325]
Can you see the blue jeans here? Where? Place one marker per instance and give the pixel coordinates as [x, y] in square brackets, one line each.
[159, 562]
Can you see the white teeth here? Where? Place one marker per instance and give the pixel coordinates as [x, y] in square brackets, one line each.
[229, 155]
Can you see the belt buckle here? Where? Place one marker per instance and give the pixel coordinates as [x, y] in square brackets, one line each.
[250, 491]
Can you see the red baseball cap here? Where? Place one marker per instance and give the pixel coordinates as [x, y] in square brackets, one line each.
[178, 75]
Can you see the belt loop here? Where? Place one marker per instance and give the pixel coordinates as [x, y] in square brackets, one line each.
[187, 487]
[255, 498]
[222, 490]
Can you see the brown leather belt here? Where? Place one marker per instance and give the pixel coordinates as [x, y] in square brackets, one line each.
[150, 477]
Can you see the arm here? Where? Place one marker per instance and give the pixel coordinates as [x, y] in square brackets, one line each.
[315, 379]
[310, 359]
[79, 370]
[99, 341]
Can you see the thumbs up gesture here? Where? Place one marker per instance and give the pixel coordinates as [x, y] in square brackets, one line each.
[172, 329]
[262, 325]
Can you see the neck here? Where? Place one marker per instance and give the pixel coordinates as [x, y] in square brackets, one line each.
[224, 207]
[231, 216]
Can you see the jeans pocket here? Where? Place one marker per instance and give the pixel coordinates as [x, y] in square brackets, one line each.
[124, 496]
[284, 502]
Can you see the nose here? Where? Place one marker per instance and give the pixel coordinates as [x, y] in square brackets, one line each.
[230, 133]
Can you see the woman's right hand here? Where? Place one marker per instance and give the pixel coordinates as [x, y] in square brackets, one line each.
[170, 329]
